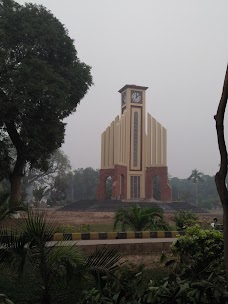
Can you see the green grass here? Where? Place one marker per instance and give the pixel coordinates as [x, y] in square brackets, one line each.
[103, 227]
[93, 228]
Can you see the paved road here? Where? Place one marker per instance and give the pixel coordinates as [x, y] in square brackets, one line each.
[119, 241]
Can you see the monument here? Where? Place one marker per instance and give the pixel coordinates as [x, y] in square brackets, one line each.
[132, 155]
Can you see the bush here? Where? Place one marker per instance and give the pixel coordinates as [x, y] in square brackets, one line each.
[184, 219]
[140, 219]
[197, 271]
[199, 252]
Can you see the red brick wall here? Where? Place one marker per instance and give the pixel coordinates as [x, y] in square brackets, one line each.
[166, 190]
[116, 180]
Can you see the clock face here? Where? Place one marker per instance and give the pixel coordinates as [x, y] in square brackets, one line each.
[124, 98]
[136, 97]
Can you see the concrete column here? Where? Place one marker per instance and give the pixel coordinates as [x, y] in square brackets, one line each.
[148, 141]
[107, 147]
[159, 142]
[103, 150]
[111, 160]
[154, 142]
[164, 147]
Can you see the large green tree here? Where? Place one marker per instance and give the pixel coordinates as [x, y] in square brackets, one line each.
[41, 82]
[83, 184]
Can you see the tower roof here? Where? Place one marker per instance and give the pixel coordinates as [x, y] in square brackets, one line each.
[132, 86]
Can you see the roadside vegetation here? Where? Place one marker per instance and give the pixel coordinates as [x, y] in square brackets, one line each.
[31, 272]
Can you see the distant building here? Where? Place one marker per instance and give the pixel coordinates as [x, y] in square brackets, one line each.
[135, 160]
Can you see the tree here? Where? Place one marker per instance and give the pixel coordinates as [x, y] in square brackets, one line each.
[83, 184]
[140, 219]
[184, 190]
[58, 167]
[42, 81]
[220, 177]
[60, 189]
[39, 193]
[196, 177]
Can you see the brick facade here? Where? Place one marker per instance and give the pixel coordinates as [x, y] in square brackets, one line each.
[166, 190]
[119, 175]
[119, 182]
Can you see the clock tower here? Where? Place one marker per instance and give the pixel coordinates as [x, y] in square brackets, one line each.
[135, 160]
[133, 107]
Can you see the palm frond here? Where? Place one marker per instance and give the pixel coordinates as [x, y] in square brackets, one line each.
[103, 261]
[14, 251]
[137, 218]
[38, 229]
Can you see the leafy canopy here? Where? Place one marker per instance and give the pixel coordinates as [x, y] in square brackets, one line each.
[41, 82]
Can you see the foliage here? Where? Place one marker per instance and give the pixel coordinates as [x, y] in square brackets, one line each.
[197, 271]
[84, 182]
[184, 219]
[42, 81]
[140, 219]
[39, 193]
[121, 287]
[196, 177]
[199, 251]
[6, 210]
[81, 184]
[28, 250]
[184, 190]
[181, 291]
[58, 167]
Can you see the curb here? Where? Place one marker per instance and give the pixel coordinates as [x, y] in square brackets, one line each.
[115, 235]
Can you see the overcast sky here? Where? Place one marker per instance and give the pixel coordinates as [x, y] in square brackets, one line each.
[178, 48]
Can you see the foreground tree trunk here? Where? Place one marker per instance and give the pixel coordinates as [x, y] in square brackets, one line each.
[15, 181]
[18, 170]
[220, 177]
[15, 193]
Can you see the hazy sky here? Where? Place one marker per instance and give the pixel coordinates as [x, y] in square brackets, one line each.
[178, 48]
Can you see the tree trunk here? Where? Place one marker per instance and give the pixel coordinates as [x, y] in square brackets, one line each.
[196, 194]
[18, 171]
[15, 193]
[15, 181]
[220, 177]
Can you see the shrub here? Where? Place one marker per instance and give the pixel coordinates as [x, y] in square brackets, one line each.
[197, 274]
[140, 219]
[199, 251]
[184, 219]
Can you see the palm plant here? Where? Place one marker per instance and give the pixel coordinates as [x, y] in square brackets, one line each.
[30, 249]
[140, 219]
[196, 177]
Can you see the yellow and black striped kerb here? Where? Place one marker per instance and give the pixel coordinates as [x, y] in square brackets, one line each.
[116, 235]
